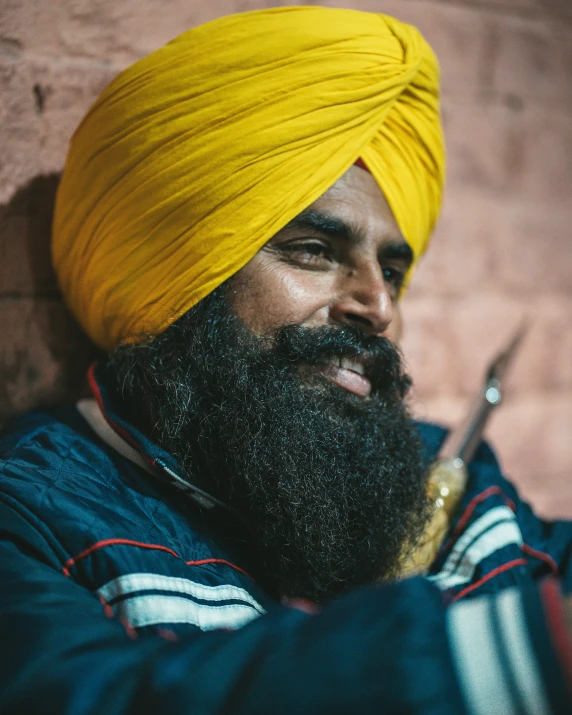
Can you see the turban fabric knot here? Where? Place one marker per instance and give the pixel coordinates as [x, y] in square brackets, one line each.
[195, 156]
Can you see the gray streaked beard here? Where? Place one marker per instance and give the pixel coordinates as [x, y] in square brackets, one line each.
[331, 485]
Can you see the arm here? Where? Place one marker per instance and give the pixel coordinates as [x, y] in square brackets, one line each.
[60, 653]
[384, 649]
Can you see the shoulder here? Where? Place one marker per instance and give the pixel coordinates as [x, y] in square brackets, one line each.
[103, 522]
[58, 473]
[496, 540]
[70, 485]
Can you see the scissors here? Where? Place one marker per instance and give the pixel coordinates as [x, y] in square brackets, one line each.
[448, 474]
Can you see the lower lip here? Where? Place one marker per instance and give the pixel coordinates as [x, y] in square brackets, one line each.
[349, 380]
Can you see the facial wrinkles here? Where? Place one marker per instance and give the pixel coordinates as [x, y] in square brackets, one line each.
[356, 281]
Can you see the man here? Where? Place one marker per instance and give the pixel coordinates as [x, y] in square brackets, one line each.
[223, 528]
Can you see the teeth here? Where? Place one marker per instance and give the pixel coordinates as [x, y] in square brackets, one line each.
[347, 364]
[352, 365]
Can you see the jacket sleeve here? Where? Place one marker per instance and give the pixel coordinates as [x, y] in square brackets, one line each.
[390, 649]
[547, 544]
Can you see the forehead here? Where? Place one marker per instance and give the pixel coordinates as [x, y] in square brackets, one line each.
[357, 199]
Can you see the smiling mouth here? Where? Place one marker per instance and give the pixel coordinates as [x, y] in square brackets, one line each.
[348, 373]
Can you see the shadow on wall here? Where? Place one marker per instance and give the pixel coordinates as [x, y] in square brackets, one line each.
[43, 353]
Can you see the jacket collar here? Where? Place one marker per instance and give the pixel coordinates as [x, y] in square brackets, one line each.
[134, 444]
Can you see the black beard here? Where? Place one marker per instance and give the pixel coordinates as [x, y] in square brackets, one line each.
[331, 485]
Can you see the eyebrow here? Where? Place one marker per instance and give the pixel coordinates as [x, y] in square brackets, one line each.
[397, 251]
[312, 219]
[325, 223]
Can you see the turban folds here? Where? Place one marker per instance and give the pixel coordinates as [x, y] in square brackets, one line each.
[195, 156]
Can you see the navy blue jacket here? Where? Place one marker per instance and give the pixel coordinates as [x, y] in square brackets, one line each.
[120, 593]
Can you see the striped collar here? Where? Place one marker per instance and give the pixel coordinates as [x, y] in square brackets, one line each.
[104, 417]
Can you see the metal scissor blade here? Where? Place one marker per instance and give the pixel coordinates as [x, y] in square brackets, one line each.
[463, 440]
[498, 368]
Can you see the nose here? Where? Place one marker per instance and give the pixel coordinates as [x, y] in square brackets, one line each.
[364, 301]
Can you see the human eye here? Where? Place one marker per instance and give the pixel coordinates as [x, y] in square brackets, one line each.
[309, 253]
[394, 278]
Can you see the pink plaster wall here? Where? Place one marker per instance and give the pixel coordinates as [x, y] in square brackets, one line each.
[503, 250]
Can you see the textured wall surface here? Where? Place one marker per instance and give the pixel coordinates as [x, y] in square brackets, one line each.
[502, 253]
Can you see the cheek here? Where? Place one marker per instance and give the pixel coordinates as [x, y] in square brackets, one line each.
[265, 297]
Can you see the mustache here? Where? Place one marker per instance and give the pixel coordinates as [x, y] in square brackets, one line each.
[383, 362]
[330, 485]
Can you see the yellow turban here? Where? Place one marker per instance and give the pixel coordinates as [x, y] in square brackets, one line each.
[194, 157]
